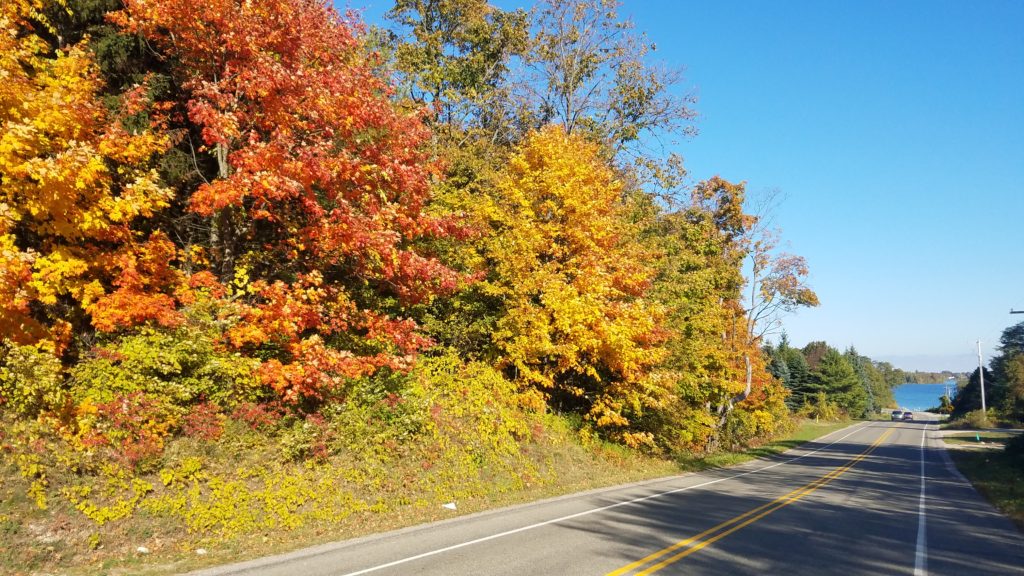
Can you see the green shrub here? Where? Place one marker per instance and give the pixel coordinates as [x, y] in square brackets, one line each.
[183, 367]
[973, 419]
[821, 409]
[31, 380]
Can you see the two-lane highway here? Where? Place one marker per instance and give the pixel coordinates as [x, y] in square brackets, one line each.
[875, 498]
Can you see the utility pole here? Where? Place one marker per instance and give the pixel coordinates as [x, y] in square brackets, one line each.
[981, 379]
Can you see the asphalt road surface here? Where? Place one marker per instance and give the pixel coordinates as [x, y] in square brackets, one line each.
[875, 498]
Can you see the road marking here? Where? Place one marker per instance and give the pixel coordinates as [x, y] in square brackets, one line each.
[921, 555]
[695, 543]
[398, 562]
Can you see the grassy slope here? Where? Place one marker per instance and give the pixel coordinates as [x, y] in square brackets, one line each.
[58, 539]
[992, 472]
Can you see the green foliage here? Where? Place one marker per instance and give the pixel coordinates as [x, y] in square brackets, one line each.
[972, 419]
[31, 380]
[968, 398]
[1008, 370]
[789, 365]
[181, 367]
[878, 394]
[836, 376]
[455, 55]
[821, 408]
[945, 405]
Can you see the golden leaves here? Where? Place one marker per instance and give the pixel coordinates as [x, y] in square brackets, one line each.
[567, 266]
[73, 178]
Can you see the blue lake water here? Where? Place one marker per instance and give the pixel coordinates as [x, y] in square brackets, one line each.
[920, 396]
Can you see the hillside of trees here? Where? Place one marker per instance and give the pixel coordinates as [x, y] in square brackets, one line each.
[258, 257]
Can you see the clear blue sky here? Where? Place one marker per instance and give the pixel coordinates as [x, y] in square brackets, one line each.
[896, 132]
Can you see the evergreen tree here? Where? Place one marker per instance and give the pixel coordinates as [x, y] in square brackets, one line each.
[777, 366]
[837, 378]
[800, 383]
[968, 398]
[1006, 389]
[813, 353]
[860, 365]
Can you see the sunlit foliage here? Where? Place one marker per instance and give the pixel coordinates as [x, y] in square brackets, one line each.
[573, 281]
[76, 183]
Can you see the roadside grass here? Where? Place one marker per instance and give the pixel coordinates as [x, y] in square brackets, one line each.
[805, 431]
[979, 420]
[60, 540]
[997, 477]
[992, 439]
[880, 417]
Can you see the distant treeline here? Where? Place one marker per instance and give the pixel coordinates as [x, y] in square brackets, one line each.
[917, 377]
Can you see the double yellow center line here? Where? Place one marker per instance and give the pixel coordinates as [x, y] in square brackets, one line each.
[716, 533]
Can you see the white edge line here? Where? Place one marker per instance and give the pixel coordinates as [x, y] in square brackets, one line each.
[600, 509]
[921, 554]
[950, 466]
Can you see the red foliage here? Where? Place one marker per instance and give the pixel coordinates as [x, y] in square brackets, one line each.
[133, 426]
[315, 145]
[259, 416]
[204, 421]
[333, 174]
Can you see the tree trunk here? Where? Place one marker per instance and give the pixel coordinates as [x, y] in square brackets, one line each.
[724, 409]
[222, 237]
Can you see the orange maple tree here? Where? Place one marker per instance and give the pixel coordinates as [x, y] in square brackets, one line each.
[317, 207]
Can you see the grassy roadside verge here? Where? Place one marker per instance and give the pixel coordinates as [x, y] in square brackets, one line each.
[805, 431]
[996, 477]
[572, 467]
[983, 438]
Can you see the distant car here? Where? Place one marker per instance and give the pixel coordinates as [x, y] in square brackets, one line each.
[908, 415]
[897, 415]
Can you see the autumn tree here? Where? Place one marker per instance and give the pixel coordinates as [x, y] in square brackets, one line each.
[699, 281]
[576, 324]
[776, 283]
[590, 73]
[316, 206]
[721, 375]
[78, 177]
[455, 56]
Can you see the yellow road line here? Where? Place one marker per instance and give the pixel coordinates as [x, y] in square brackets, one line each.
[743, 520]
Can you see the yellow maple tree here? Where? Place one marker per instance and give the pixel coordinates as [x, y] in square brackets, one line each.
[73, 179]
[567, 265]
